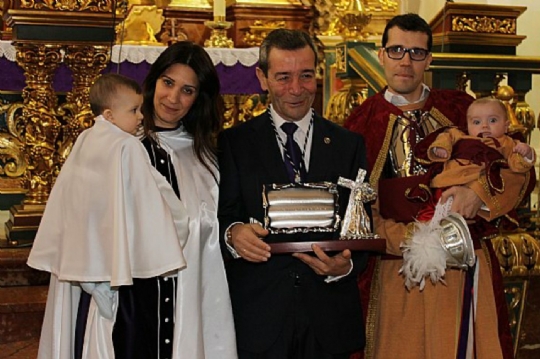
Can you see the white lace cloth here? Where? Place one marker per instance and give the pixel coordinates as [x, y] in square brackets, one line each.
[137, 54]
[7, 50]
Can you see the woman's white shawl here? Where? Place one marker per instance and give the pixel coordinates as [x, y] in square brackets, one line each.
[111, 217]
[204, 327]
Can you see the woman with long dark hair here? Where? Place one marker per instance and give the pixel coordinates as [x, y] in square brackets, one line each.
[186, 314]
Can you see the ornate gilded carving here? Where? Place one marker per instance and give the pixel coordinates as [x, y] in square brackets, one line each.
[484, 24]
[85, 62]
[381, 5]
[242, 108]
[218, 34]
[515, 291]
[254, 34]
[518, 254]
[231, 110]
[506, 95]
[12, 158]
[70, 5]
[524, 115]
[341, 104]
[535, 218]
[354, 18]
[38, 117]
[251, 106]
[328, 19]
[13, 163]
[341, 58]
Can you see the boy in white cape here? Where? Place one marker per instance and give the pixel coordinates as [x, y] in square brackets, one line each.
[110, 217]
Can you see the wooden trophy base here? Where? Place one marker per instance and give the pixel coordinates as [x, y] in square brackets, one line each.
[365, 244]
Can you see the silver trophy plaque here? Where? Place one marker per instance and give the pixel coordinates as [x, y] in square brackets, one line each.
[313, 207]
[301, 207]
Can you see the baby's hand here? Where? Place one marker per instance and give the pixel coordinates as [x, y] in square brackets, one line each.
[440, 152]
[524, 150]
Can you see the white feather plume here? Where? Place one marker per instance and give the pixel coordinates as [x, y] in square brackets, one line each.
[423, 256]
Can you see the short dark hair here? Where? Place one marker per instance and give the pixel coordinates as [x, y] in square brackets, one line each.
[284, 39]
[203, 121]
[409, 22]
[105, 88]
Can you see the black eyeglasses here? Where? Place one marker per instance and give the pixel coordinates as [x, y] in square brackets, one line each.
[398, 52]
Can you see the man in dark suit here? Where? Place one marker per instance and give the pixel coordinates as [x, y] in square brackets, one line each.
[302, 305]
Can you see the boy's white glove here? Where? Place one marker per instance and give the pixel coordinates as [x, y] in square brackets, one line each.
[103, 295]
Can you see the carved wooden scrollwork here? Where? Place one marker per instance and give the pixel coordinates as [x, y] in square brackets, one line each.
[40, 127]
[13, 160]
[483, 24]
[69, 5]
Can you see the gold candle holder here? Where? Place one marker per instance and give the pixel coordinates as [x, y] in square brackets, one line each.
[218, 35]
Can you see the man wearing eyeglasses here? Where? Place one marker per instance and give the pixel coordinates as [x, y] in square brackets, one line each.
[433, 323]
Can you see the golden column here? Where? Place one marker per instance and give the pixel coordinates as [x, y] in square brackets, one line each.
[86, 63]
[39, 129]
[38, 118]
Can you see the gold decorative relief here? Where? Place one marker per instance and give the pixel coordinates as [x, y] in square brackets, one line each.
[524, 114]
[518, 254]
[328, 21]
[381, 5]
[341, 58]
[506, 95]
[218, 34]
[242, 108]
[231, 111]
[254, 34]
[341, 104]
[516, 291]
[86, 63]
[250, 106]
[12, 158]
[38, 118]
[13, 163]
[483, 24]
[354, 18]
[69, 5]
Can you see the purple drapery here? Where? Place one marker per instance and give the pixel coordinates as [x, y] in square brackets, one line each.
[237, 79]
